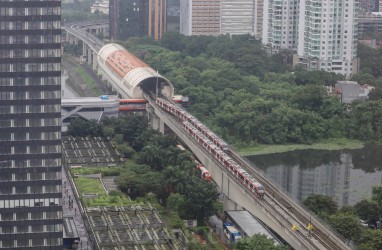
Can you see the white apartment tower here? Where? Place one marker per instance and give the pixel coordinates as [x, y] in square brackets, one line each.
[328, 35]
[323, 32]
[280, 24]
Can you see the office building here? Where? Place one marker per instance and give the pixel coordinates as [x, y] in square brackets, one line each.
[200, 17]
[30, 125]
[173, 15]
[132, 18]
[215, 17]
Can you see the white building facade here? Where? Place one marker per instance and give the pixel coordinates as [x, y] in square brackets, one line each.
[322, 32]
[280, 24]
[328, 35]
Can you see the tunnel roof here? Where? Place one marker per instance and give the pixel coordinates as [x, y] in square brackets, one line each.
[130, 68]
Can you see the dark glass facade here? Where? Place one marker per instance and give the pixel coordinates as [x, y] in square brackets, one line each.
[173, 15]
[30, 125]
[128, 18]
[132, 18]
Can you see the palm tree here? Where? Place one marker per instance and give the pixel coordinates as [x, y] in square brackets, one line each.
[174, 180]
[151, 155]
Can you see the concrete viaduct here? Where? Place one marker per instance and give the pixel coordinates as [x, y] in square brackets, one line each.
[277, 210]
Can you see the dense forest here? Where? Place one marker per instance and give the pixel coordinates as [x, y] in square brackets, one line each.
[249, 97]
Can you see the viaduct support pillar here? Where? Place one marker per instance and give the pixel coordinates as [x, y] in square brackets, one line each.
[84, 51]
[225, 188]
[89, 55]
[94, 63]
[155, 122]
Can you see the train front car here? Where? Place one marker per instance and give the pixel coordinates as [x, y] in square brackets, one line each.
[260, 190]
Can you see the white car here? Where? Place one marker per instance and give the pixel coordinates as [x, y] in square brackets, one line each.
[363, 223]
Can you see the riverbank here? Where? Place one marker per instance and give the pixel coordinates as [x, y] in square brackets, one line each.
[330, 144]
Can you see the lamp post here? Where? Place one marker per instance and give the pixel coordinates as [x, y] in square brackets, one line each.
[156, 88]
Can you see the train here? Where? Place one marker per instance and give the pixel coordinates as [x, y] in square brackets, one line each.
[132, 104]
[214, 145]
[183, 115]
[204, 173]
[225, 160]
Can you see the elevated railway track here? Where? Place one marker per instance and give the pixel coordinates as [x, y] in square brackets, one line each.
[284, 210]
[282, 213]
[297, 214]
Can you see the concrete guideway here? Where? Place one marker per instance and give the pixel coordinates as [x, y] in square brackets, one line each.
[277, 209]
[272, 212]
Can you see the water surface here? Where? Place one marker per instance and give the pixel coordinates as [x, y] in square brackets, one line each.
[347, 175]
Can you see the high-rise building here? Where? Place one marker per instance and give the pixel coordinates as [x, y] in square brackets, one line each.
[132, 18]
[215, 17]
[239, 17]
[30, 125]
[280, 24]
[173, 15]
[328, 35]
[322, 32]
[200, 17]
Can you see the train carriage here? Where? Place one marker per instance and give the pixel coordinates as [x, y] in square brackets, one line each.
[235, 169]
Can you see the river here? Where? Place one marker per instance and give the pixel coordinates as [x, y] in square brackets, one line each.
[347, 175]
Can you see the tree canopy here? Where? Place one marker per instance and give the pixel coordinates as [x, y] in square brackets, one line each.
[321, 204]
[248, 97]
[257, 242]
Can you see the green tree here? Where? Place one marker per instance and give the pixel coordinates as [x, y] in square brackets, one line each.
[139, 180]
[257, 242]
[309, 97]
[152, 156]
[347, 225]
[377, 197]
[81, 128]
[375, 94]
[365, 120]
[125, 150]
[321, 204]
[176, 202]
[367, 210]
[371, 240]
[363, 78]
[200, 198]
[174, 180]
[173, 41]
